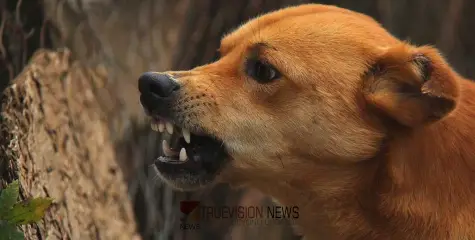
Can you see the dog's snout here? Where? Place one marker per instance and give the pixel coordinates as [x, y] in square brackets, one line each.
[157, 93]
[161, 85]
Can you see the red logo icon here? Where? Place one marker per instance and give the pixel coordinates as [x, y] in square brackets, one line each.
[190, 208]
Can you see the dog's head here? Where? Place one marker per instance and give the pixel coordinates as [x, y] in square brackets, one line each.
[293, 89]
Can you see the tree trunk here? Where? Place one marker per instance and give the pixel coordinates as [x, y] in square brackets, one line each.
[56, 136]
[73, 128]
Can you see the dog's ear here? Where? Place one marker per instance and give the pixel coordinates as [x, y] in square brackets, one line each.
[412, 85]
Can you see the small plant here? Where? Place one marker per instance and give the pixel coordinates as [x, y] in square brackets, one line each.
[14, 213]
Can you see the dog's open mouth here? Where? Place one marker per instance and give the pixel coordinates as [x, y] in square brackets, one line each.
[187, 159]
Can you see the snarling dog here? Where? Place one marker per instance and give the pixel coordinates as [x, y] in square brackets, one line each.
[320, 107]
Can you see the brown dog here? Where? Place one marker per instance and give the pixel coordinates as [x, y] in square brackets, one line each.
[320, 107]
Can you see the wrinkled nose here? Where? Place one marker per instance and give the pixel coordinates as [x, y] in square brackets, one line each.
[157, 84]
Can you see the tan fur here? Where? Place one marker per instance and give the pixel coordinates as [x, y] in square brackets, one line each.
[372, 137]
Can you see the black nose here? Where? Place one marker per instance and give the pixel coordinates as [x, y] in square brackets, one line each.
[161, 85]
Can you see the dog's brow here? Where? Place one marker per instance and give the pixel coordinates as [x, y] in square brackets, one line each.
[257, 47]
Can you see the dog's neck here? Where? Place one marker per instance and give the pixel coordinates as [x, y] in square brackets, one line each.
[424, 169]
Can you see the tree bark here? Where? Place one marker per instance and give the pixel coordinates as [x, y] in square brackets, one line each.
[55, 135]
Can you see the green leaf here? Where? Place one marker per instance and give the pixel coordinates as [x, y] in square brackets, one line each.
[8, 197]
[28, 211]
[10, 232]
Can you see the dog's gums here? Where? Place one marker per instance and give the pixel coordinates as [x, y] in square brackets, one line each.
[370, 136]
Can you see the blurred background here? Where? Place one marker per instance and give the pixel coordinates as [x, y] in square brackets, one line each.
[72, 127]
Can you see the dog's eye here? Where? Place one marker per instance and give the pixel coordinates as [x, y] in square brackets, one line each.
[261, 72]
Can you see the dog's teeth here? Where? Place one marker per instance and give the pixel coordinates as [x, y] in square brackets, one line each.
[186, 135]
[183, 155]
[169, 127]
[161, 126]
[163, 159]
[166, 149]
[154, 126]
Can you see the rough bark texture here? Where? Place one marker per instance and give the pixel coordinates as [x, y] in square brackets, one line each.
[73, 128]
[58, 138]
